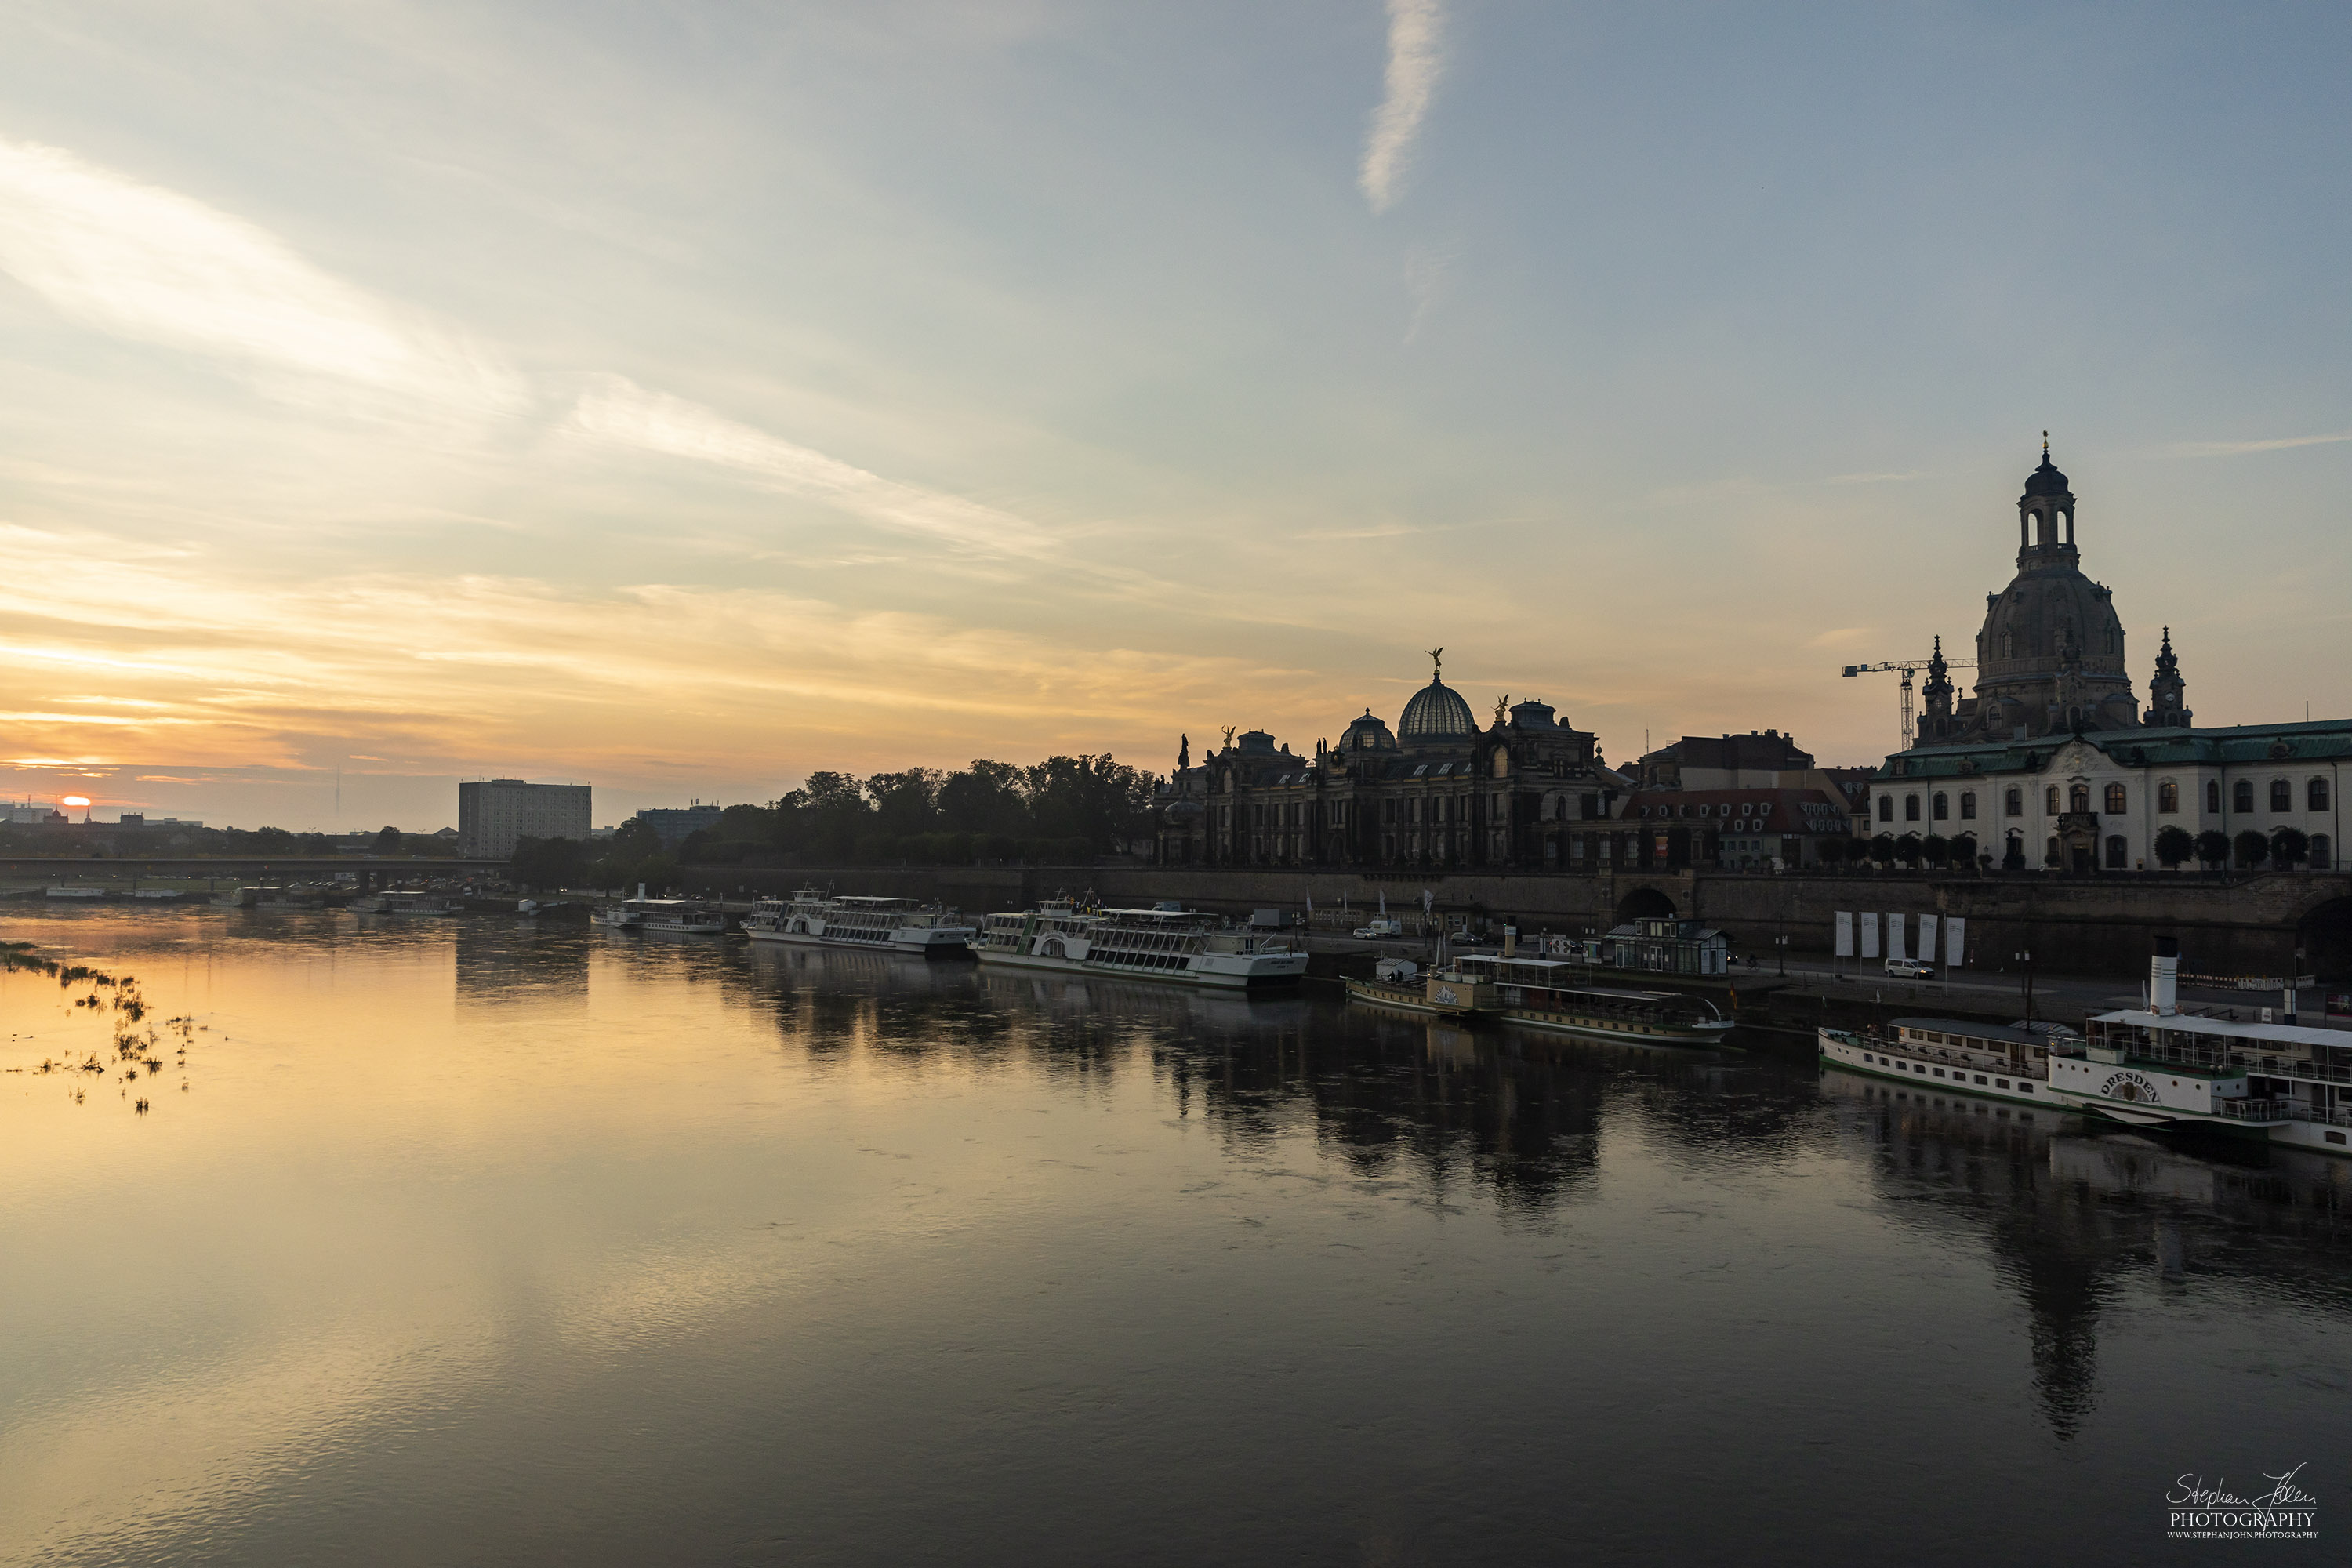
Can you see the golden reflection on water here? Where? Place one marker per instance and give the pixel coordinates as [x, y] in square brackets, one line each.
[476, 1239]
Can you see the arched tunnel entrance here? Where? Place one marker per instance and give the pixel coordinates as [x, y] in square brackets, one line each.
[1644, 904]
[2325, 935]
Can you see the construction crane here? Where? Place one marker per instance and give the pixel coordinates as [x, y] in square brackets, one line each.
[1906, 668]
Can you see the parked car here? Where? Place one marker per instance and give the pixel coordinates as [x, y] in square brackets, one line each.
[1910, 969]
[1380, 927]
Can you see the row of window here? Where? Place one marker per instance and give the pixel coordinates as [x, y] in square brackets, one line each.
[1704, 809]
[2118, 800]
[1901, 1066]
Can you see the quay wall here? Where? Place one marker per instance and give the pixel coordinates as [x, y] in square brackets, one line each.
[2249, 924]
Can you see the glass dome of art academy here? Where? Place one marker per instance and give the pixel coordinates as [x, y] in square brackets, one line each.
[1437, 715]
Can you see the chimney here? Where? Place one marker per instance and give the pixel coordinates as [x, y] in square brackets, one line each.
[2164, 978]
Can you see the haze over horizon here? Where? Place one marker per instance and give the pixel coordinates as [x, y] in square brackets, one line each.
[682, 399]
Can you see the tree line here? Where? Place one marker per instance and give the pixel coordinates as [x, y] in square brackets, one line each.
[1064, 809]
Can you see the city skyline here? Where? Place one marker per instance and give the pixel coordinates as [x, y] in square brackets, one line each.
[683, 403]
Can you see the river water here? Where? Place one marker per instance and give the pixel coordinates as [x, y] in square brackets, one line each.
[463, 1241]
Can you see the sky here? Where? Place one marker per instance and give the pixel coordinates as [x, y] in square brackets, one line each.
[682, 398]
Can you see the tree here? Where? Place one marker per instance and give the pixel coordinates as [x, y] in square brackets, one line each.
[2174, 846]
[2212, 848]
[1829, 851]
[2288, 847]
[388, 841]
[549, 862]
[1089, 797]
[1964, 851]
[2252, 848]
[905, 803]
[1937, 850]
[1882, 849]
[2014, 857]
[1907, 848]
[986, 798]
[634, 840]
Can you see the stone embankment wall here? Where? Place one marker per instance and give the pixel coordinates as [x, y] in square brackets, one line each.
[2240, 925]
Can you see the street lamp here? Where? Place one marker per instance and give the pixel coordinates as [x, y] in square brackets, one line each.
[1781, 942]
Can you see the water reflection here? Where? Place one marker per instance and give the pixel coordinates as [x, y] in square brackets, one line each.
[622, 1248]
[2070, 1211]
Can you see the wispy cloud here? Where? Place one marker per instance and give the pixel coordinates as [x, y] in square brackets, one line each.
[1839, 636]
[1873, 478]
[1414, 60]
[618, 410]
[156, 266]
[2239, 449]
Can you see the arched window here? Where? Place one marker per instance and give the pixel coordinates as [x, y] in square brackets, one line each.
[2315, 794]
[2168, 796]
[2118, 853]
[1910, 808]
[2014, 806]
[1885, 808]
[2050, 800]
[2241, 796]
[2319, 852]
[2115, 800]
[2282, 795]
[1941, 806]
[2213, 796]
[2078, 798]
[1967, 805]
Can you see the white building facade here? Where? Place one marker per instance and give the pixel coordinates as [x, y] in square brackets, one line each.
[2095, 802]
[494, 815]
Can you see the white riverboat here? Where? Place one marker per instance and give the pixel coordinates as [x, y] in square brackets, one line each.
[403, 901]
[1186, 947]
[694, 917]
[1990, 1062]
[871, 922]
[63, 891]
[2158, 1067]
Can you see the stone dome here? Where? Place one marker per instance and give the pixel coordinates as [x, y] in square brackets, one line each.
[1367, 733]
[2050, 621]
[1436, 716]
[2045, 480]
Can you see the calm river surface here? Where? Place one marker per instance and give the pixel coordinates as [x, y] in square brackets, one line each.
[460, 1241]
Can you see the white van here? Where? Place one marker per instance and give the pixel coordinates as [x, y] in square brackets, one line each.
[1910, 969]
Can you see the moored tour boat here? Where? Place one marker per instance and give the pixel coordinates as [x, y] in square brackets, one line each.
[1993, 1061]
[868, 921]
[1544, 994]
[694, 917]
[1184, 947]
[406, 902]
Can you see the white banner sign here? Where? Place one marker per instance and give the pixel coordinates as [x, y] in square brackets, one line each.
[1869, 934]
[1926, 939]
[1955, 930]
[1894, 948]
[1845, 933]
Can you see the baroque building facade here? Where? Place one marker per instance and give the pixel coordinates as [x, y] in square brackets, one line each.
[1438, 791]
[2054, 763]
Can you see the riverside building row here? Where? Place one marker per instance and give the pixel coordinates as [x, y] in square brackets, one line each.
[2050, 761]
[1527, 791]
